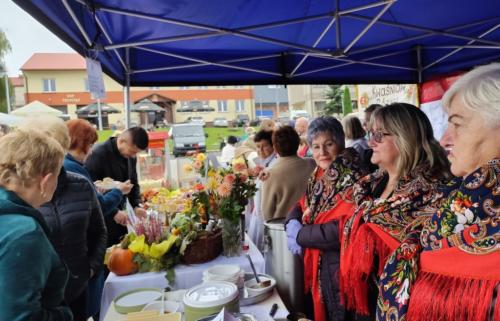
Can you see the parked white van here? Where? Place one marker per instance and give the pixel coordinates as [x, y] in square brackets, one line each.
[188, 137]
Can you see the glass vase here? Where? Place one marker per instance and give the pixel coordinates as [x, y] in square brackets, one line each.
[231, 237]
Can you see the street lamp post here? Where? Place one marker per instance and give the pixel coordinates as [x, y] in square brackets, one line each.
[277, 102]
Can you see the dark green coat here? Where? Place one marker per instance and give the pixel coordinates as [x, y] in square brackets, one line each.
[32, 277]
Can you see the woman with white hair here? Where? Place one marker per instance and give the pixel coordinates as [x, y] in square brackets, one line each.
[459, 272]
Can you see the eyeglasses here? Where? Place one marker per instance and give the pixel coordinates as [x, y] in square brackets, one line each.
[377, 135]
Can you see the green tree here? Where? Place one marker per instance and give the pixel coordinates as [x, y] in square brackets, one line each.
[4, 48]
[334, 97]
[347, 104]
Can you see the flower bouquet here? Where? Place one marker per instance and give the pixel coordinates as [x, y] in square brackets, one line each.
[198, 164]
[149, 247]
[225, 196]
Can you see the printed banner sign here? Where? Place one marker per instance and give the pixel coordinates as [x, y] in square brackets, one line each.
[386, 94]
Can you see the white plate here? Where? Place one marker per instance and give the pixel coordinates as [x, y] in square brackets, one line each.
[106, 184]
[138, 298]
[169, 306]
[135, 300]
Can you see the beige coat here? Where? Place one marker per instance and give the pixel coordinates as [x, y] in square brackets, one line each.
[286, 184]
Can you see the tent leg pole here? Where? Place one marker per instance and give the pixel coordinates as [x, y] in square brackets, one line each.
[127, 90]
[419, 64]
[127, 102]
[99, 114]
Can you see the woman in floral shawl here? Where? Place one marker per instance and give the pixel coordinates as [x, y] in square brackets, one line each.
[388, 219]
[314, 224]
[459, 272]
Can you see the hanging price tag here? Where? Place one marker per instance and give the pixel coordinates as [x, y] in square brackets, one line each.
[94, 76]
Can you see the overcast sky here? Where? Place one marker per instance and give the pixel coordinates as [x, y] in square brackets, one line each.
[26, 36]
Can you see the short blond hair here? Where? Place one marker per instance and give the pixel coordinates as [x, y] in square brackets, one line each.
[26, 155]
[50, 126]
[267, 124]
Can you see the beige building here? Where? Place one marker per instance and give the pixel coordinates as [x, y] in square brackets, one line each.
[19, 90]
[312, 98]
[60, 81]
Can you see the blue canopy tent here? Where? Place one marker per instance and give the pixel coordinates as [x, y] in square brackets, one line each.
[198, 42]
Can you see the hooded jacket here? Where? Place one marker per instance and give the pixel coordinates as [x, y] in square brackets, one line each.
[32, 276]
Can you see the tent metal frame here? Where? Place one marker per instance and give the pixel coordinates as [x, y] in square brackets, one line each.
[341, 56]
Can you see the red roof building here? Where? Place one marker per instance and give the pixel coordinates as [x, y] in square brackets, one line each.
[54, 61]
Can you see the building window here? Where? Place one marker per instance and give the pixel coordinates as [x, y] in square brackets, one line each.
[238, 87]
[274, 86]
[184, 87]
[222, 106]
[49, 85]
[319, 107]
[240, 106]
[203, 87]
[221, 87]
[85, 84]
[154, 88]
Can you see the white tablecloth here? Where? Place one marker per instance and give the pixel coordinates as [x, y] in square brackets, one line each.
[260, 310]
[186, 276]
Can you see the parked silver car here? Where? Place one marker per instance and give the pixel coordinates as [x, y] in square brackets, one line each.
[196, 120]
[220, 122]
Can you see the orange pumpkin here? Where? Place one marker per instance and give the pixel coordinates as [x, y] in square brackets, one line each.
[121, 262]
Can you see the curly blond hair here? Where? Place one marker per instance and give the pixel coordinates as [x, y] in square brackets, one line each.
[51, 126]
[26, 155]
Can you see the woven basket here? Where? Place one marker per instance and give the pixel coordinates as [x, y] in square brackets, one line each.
[205, 248]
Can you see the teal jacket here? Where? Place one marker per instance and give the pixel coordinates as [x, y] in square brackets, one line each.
[32, 277]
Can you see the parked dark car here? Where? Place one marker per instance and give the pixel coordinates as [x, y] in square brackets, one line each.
[241, 120]
[255, 122]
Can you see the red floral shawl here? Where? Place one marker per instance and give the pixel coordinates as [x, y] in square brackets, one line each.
[327, 198]
[381, 227]
[460, 263]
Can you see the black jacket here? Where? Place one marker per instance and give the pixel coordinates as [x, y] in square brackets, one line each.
[324, 237]
[77, 229]
[106, 161]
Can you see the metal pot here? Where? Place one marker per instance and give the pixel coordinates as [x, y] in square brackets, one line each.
[285, 267]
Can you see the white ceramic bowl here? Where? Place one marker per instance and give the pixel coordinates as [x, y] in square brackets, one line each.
[253, 291]
[169, 306]
[209, 298]
[225, 271]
